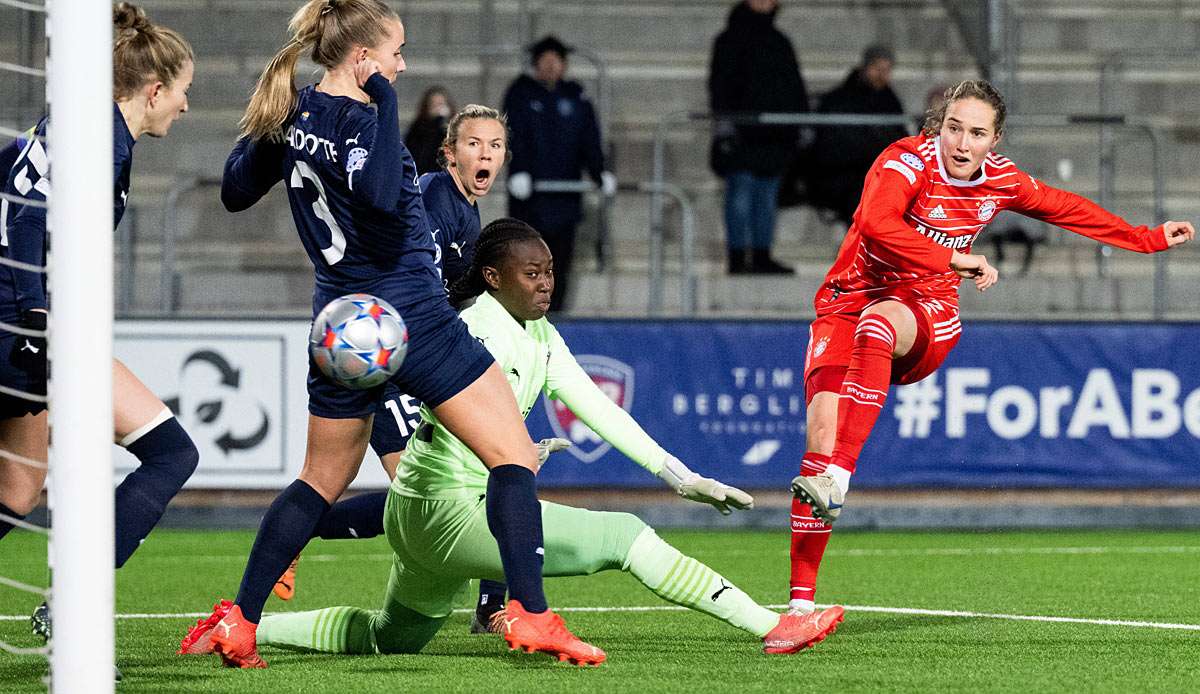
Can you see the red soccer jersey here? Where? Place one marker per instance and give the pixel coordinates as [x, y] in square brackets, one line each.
[913, 216]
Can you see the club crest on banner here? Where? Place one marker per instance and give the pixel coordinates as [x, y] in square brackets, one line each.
[615, 379]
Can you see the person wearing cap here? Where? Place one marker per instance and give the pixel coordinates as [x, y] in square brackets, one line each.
[842, 154]
[555, 136]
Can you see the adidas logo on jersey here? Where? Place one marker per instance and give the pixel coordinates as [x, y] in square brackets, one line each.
[938, 213]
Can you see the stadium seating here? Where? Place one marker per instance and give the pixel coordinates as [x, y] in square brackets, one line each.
[228, 262]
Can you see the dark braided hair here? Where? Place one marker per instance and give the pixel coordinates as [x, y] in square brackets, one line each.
[490, 250]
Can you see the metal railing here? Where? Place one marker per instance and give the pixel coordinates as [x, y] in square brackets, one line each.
[599, 96]
[1104, 122]
[170, 296]
[661, 131]
[170, 288]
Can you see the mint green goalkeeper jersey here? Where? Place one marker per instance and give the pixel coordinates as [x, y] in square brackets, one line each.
[535, 360]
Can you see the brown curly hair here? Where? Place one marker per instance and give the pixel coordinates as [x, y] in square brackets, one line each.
[967, 89]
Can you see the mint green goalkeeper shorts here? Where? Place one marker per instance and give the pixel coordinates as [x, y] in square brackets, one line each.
[442, 544]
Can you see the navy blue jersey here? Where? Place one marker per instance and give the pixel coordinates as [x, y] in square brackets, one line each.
[23, 227]
[353, 190]
[454, 222]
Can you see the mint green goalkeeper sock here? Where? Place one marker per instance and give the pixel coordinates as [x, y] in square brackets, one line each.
[685, 581]
[331, 630]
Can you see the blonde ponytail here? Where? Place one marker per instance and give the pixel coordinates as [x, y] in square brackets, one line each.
[329, 28]
[275, 94]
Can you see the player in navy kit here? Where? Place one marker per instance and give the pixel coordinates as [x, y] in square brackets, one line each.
[352, 186]
[152, 71]
[474, 150]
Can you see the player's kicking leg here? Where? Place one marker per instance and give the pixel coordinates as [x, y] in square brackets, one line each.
[852, 362]
[885, 332]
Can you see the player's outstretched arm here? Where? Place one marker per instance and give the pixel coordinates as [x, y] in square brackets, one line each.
[975, 267]
[690, 485]
[1077, 214]
[567, 382]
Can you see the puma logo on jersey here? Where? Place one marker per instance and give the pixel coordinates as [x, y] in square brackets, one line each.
[29, 347]
[938, 213]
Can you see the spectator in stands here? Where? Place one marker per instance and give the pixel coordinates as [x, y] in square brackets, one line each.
[754, 70]
[555, 136]
[428, 129]
[843, 154]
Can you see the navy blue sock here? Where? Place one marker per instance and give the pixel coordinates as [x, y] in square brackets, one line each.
[5, 526]
[515, 519]
[357, 518]
[168, 457]
[285, 530]
[491, 596]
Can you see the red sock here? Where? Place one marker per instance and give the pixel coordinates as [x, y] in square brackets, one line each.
[864, 389]
[809, 535]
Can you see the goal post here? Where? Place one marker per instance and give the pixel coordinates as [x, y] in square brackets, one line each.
[80, 137]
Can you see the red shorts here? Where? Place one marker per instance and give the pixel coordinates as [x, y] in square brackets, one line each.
[831, 339]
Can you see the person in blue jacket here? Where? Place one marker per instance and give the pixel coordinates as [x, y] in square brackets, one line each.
[555, 137]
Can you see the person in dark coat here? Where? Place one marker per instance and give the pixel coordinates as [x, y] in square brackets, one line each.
[842, 155]
[428, 129]
[554, 136]
[754, 70]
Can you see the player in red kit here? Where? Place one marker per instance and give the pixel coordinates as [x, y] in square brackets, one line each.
[887, 311]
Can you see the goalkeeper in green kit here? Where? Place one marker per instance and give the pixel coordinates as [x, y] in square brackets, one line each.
[436, 519]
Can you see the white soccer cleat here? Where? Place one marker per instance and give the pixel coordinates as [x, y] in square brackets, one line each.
[822, 493]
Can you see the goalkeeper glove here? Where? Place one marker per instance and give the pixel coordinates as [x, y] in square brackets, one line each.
[706, 490]
[547, 446]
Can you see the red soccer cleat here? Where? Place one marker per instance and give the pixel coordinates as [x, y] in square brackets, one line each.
[285, 587]
[233, 638]
[797, 631]
[199, 638]
[545, 632]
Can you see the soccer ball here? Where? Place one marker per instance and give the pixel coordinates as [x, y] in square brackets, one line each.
[358, 340]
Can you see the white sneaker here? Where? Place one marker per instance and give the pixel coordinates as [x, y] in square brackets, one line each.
[822, 493]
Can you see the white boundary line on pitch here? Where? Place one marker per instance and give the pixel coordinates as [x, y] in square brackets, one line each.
[850, 553]
[850, 608]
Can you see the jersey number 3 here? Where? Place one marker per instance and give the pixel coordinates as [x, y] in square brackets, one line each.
[337, 240]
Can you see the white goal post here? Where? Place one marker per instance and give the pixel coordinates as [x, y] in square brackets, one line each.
[79, 94]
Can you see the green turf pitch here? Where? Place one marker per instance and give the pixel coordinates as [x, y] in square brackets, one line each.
[1126, 576]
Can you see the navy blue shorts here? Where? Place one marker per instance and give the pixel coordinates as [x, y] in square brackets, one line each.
[443, 359]
[17, 378]
[396, 418]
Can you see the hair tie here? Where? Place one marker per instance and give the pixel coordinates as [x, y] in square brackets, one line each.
[330, 6]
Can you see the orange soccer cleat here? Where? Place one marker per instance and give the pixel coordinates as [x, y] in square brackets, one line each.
[545, 632]
[199, 638]
[799, 630]
[285, 587]
[233, 638]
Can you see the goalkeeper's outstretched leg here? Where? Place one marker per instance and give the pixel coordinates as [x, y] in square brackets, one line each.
[445, 543]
